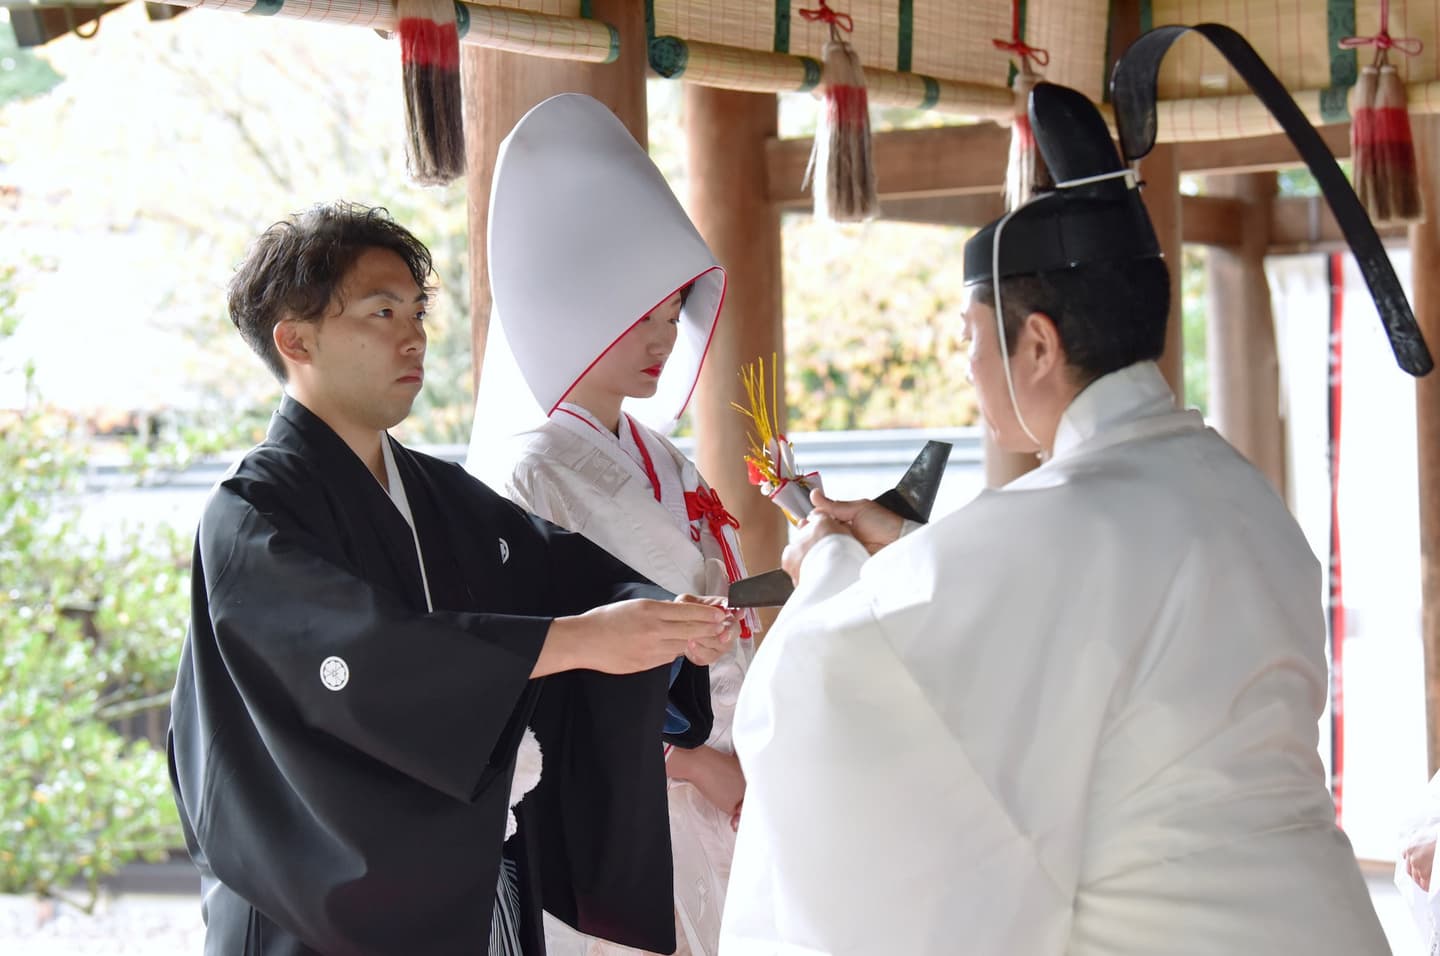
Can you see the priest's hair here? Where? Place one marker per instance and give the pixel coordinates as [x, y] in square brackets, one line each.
[1108, 314]
[296, 267]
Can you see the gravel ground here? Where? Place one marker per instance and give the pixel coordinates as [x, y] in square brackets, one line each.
[128, 925]
[152, 924]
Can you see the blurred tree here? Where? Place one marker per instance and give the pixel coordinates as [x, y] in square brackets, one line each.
[89, 635]
[144, 193]
[872, 326]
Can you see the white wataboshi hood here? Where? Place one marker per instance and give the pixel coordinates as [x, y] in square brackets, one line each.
[585, 239]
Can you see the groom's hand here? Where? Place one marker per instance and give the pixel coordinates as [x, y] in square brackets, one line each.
[706, 650]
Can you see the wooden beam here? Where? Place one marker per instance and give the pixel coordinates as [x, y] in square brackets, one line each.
[1297, 223]
[1212, 220]
[944, 160]
[499, 88]
[156, 12]
[39, 26]
[726, 134]
[964, 211]
[1256, 153]
[1205, 220]
[970, 160]
[1425, 272]
[1305, 224]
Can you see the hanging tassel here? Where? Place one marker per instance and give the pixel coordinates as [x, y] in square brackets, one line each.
[1397, 181]
[434, 121]
[1362, 140]
[842, 166]
[1382, 147]
[1026, 172]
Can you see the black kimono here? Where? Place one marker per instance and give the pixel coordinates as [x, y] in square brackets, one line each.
[342, 759]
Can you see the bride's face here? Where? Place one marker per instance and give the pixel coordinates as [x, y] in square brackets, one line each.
[631, 367]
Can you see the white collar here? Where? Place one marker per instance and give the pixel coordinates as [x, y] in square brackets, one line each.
[1134, 392]
[637, 445]
[567, 412]
[579, 421]
[402, 504]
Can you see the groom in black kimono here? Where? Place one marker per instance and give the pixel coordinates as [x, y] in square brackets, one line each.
[368, 629]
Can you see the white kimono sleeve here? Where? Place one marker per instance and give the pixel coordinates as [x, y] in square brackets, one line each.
[866, 828]
[531, 488]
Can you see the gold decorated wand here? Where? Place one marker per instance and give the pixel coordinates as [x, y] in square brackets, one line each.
[770, 461]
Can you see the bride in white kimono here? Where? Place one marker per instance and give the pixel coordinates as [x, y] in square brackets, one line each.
[625, 319]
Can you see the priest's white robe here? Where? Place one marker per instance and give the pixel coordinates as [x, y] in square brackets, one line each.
[1078, 716]
[573, 474]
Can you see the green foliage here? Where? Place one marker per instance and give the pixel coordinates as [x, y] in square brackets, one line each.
[89, 634]
[22, 73]
[872, 326]
[1297, 181]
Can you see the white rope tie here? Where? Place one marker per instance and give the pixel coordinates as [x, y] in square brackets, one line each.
[1000, 318]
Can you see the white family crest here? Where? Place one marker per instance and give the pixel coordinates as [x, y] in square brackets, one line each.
[334, 673]
[504, 551]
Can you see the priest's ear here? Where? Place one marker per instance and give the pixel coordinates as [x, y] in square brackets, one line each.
[1038, 346]
[294, 341]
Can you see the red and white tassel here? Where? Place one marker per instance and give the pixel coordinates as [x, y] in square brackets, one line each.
[842, 165]
[1362, 139]
[434, 119]
[1382, 146]
[1397, 183]
[1026, 172]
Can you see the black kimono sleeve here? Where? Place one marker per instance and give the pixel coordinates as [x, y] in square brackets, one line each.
[341, 760]
[584, 576]
[428, 694]
[601, 804]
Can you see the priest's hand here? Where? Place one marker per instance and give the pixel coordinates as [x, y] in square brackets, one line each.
[873, 525]
[703, 652]
[629, 636]
[1419, 860]
[813, 529]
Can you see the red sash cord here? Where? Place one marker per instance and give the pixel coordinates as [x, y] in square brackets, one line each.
[645, 458]
[704, 503]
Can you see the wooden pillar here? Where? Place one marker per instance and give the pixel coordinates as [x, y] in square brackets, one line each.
[1425, 270]
[725, 133]
[499, 88]
[1161, 173]
[1244, 364]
